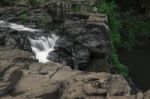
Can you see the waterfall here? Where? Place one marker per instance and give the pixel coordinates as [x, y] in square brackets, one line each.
[42, 46]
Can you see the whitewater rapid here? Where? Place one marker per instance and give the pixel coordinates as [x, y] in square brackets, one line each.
[41, 46]
[17, 27]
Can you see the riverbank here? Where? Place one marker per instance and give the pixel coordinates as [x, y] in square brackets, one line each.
[24, 78]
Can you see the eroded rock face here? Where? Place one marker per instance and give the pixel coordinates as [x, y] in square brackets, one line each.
[52, 80]
[58, 9]
[82, 37]
[98, 85]
[56, 81]
[10, 70]
[14, 39]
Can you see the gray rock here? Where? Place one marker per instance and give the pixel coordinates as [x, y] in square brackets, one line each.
[57, 10]
[118, 86]
[147, 95]
[12, 79]
[91, 91]
[140, 95]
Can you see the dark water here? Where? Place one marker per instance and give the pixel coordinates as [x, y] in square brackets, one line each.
[138, 62]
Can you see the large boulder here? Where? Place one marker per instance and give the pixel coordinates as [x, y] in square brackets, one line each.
[91, 85]
[82, 38]
[57, 10]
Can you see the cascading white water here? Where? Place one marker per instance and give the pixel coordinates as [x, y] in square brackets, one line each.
[17, 27]
[42, 46]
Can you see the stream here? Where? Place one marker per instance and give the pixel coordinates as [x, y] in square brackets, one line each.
[138, 62]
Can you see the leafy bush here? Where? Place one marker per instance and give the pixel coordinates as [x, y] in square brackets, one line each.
[43, 20]
[23, 18]
[34, 3]
[115, 24]
[135, 31]
[144, 28]
[122, 69]
[1, 78]
[75, 8]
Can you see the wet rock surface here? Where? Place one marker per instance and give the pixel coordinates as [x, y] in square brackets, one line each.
[81, 39]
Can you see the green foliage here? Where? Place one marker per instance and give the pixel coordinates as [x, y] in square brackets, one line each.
[34, 3]
[75, 8]
[144, 28]
[115, 24]
[136, 30]
[122, 69]
[1, 78]
[43, 21]
[23, 18]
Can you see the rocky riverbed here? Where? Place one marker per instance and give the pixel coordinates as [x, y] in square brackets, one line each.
[24, 78]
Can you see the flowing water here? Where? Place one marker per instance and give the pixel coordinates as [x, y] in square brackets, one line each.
[17, 27]
[40, 46]
[138, 62]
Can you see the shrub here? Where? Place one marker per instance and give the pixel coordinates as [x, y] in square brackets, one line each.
[144, 28]
[43, 20]
[121, 69]
[135, 31]
[115, 24]
[23, 18]
[34, 3]
[1, 78]
[75, 8]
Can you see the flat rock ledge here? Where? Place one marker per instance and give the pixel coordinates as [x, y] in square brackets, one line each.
[23, 78]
